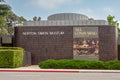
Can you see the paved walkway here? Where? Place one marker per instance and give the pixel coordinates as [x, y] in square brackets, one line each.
[29, 67]
[22, 68]
[35, 68]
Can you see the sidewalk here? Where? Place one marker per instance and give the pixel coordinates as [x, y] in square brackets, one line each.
[35, 68]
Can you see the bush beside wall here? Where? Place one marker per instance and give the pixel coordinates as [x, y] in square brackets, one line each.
[11, 57]
[79, 64]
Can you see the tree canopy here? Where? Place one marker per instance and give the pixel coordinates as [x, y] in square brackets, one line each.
[111, 20]
[7, 18]
[36, 18]
[4, 10]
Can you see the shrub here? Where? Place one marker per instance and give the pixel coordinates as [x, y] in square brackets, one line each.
[95, 65]
[79, 64]
[113, 65]
[71, 64]
[48, 64]
[11, 57]
[68, 64]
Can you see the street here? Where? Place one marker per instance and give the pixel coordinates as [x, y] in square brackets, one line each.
[58, 76]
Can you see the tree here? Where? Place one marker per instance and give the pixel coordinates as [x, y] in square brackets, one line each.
[4, 11]
[21, 18]
[13, 18]
[8, 19]
[39, 18]
[90, 19]
[2, 21]
[111, 20]
[3, 31]
[36, 18]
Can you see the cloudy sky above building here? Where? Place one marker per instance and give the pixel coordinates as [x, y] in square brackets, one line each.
[97, 9]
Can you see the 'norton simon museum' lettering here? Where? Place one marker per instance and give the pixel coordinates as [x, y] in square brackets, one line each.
[44, 33]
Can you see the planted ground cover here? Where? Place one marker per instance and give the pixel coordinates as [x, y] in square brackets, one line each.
[79, 64]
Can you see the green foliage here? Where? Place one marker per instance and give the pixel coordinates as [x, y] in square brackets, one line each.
[7, 18]
[79, 64]
[113, 65]
[48, 64]
[11, 57]
[4, 10]
[118, 31]
[111, 20]
[2, 21]
[3, 31]
[71, 64]
[36, 18]
[10, 30]
[95, 65]
[13, 17]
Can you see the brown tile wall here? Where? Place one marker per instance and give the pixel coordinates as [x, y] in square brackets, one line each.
[118, 52]
[45, 47]
[118, 48]
[107, 43]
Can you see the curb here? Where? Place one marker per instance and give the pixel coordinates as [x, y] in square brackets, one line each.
[99, 71]
[60, 70]
[43, 70]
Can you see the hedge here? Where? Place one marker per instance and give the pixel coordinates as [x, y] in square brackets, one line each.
[11, 57]
[79, 64]
[113, 65]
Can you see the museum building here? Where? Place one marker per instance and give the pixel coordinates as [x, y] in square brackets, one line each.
[67, 36]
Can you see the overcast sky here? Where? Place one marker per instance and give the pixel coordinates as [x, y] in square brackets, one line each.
[97, 9]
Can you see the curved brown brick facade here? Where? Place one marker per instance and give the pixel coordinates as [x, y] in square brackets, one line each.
[45, 42]
[56, 42]
[108, 43]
